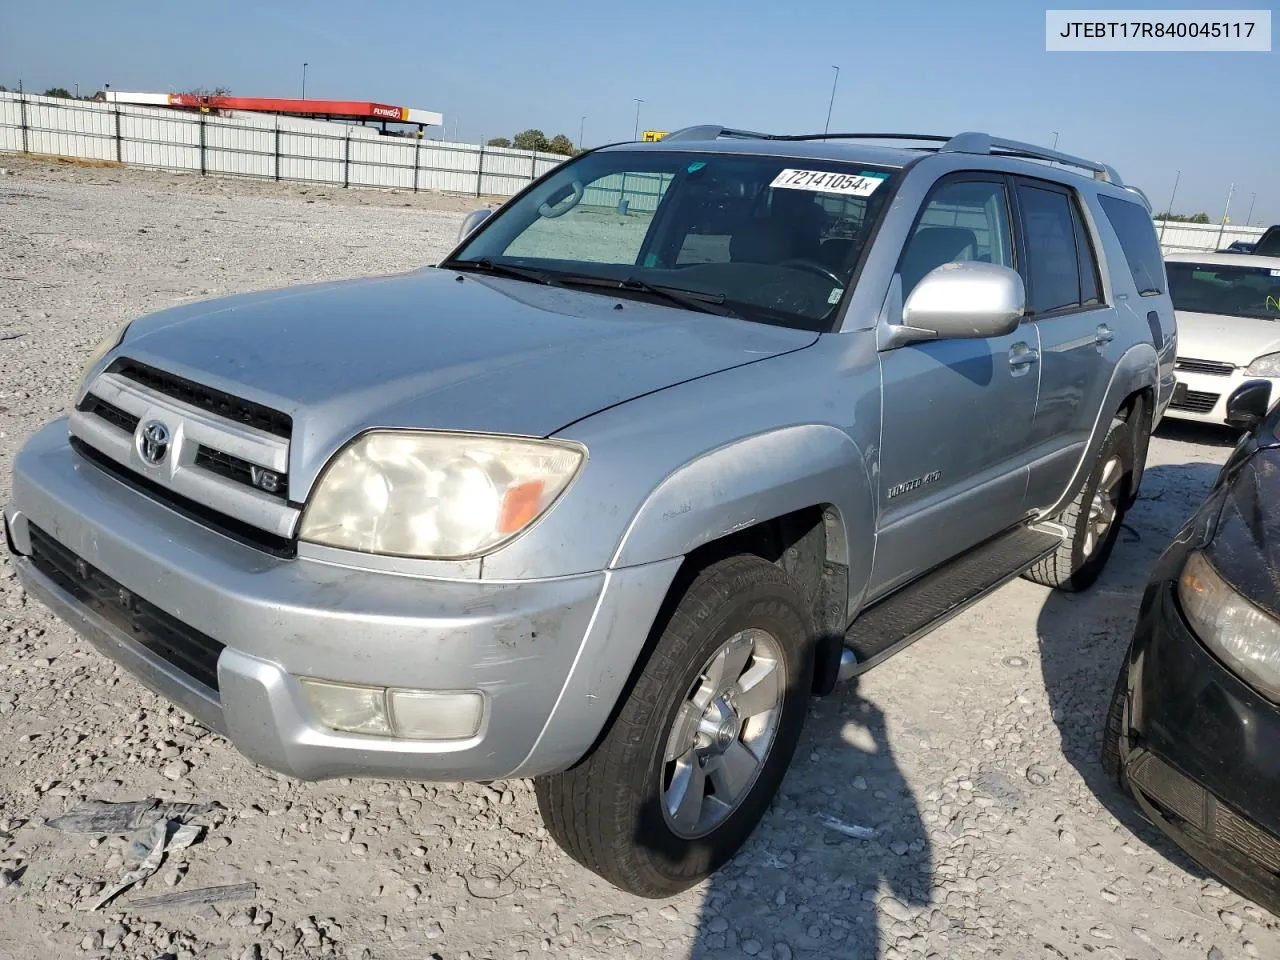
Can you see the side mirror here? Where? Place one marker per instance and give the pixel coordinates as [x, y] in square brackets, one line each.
[970, 299]
[1247, 407]
[472, 220]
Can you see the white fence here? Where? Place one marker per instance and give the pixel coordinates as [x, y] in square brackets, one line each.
[1198, 237]
[261, 145]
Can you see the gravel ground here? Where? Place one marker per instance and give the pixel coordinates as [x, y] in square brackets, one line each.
[973, 754]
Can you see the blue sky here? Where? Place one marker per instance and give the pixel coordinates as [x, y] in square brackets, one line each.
[498, 66]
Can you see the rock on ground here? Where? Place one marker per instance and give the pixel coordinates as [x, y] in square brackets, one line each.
[972, 754]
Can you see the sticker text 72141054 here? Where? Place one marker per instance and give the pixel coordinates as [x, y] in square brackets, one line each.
[824, 181]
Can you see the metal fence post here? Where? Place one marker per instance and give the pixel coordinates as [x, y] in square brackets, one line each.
[119, 137]
[346, 160]
[22, 120]
[202, 165]
[533, 166]
[417, 163]
[480, 170]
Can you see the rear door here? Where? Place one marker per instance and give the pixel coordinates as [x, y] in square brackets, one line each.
[956, 413]
[1076, 328]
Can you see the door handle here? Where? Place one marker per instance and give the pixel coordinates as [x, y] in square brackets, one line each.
[1103, 334]
[1020, 355]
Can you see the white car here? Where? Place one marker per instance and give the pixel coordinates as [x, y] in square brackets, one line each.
[1228, 310]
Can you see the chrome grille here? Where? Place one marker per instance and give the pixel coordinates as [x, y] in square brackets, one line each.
[1212, 367]
[211, 459]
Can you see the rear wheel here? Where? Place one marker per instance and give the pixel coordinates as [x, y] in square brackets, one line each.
[1093, 519]
[698, 749]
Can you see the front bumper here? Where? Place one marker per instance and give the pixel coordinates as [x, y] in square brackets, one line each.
[274, 620]
[1203, 396]
[1202, 754]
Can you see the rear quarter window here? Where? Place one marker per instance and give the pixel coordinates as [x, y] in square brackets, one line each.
[1137, 235]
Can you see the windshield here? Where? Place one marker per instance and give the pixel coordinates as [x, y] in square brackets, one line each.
[762, 238]
[1227, 290]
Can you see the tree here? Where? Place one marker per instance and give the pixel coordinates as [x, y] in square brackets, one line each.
[1182, 217]
[204, 92]
[532, 139]
[562, 145]
[59, 92]
[498, 142]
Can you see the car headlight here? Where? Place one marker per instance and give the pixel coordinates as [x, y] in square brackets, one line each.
[1265, 366]
[439, 496]
[1243, 636]
[108, 343]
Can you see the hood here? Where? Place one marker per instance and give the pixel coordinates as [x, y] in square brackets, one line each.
[437, 349]
[1246, 543]
[1235, 340]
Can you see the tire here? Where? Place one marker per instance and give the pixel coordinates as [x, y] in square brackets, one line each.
[612, 811]
[1076, 564]
[1113, 730]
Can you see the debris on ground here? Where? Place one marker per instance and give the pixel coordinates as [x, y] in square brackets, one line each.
[200, 897]
[100, 817]
[162, 842]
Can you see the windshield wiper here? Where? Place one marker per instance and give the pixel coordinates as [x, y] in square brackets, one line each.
[489, 265]
[699, 300]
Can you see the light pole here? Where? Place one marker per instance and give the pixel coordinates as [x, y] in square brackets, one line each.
[1055, 139]
[1169, 212]
[1222, 228]
[582, 125]
[636, 135]
[1249, 219]
[832, 102]
[77, 91]
[304, 81]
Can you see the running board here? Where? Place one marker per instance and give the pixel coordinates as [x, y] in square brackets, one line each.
[908, 614]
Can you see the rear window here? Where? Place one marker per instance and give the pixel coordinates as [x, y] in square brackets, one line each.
[1137, 234]
[1269, 245]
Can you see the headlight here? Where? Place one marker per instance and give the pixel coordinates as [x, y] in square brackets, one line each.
[109, 343]
[1246, 638]
[1266, 366]
[441, 496]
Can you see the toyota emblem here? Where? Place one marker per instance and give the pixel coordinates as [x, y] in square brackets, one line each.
[152, 441]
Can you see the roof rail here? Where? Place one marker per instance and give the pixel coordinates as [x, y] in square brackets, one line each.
[712, 131]
[984, 143]
[968, 142]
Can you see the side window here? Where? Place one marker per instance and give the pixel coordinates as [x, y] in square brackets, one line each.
[1137, 235]
[1089, 295]
[1053, 270]
[962, 220]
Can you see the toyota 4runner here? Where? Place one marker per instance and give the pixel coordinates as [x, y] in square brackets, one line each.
[681, 436]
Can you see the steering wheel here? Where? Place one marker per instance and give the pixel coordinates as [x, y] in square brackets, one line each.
[565, 203]
[813, 266]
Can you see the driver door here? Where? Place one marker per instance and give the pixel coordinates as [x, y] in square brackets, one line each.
[957, 414]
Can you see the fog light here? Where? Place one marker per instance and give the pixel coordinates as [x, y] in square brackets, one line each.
[349, 708]
[379, 712]
[431, 715]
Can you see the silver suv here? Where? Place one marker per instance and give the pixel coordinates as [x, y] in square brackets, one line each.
[680, 437]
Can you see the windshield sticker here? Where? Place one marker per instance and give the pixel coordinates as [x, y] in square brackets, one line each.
[824, 181]
[1275, 273]
[835, 294]
[695, 166]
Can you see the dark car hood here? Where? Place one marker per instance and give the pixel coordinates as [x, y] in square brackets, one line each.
[428, 349]
[1246, 544]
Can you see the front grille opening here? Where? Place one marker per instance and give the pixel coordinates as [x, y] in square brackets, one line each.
[1213, 367]
[242, 471]
[205, 398]
[229, 527]
[189, 650]
[109, 412]
[1196, 401]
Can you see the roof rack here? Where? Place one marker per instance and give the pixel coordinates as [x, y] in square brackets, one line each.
[969, 142]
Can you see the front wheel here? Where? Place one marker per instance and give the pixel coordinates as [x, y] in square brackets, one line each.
[699, 747]
[1093, 519]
